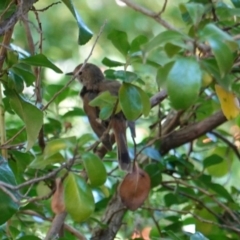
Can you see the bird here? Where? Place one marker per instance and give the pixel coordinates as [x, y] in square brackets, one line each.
[94, 83]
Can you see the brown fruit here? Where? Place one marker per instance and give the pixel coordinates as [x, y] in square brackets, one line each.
[57, 203]
[134, 188]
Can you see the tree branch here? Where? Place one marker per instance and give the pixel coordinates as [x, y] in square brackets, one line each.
[21, 10]
[191, 132]
[112, 218]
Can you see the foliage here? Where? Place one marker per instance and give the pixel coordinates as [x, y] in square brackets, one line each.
[188, 48]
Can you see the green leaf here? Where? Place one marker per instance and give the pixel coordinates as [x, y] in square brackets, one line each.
[103, 99]
[130, 101]
[15, 82]
[75, 112]
[40, 60]
[171, 49]
[212, 160]
[155, 172]
[96, 171]
[23, 73]
[221, 191]
[184, 82]
[169, 36]
[195, 11]
[5, 11]
[126, 76]
[78, 198]
[111, 63]
[11, 58]
[162, 74]
[29, 237]
[106, 112]
[85, 33]
[221, 169]
[120, 41]
[137, 42]
[30, 115]
[146, 105]
[212, 32]
[41, 163]
[56, 145]
[236, 3]
[7, 206]
[223, 56]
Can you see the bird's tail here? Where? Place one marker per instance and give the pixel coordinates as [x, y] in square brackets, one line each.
[119, 127]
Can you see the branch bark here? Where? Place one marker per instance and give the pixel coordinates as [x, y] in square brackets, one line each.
[112, 218]
[191, 132]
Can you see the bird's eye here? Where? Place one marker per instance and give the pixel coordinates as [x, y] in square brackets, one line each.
[80, 73]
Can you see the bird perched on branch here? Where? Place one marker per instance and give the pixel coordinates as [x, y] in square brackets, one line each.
[94, 83]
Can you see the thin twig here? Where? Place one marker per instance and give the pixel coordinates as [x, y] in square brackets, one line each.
[149, 13]
[11, 195]
[163, 8]
[13, 137]
[231, 145]
[210, 195]
[164, 209]
[46, 8]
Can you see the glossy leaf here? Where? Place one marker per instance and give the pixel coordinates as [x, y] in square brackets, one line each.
[23, 73]
[184, 82]
[130, 101]
[7, 206]
[30, 115]
[106, 102]
[95, 169]
[137, 42]
[120, 41]
[165, 37]
[221, 169]
[146, 105]
[223, 55]
[41, 163]
[40, 60]
[6, 9]
[56, 145]
[212, 160]
[126, 76]
[111, 63]
[195, 11]
[78, 198]
[221, 191]
[11, 58]
[85, 33]
[229, 102]
[155, 173]
[103, 99]
[236, 3]
[15, 82]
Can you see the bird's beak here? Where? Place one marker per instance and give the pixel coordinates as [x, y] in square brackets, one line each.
[69, 74]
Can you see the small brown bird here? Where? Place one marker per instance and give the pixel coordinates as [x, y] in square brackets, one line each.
[94, 83]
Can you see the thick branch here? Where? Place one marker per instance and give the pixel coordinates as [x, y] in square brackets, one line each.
[56, 225]
[21, 10]
[191, 132]
[112, 218]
